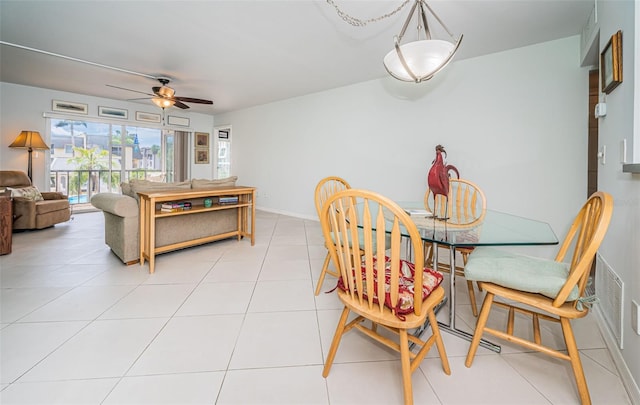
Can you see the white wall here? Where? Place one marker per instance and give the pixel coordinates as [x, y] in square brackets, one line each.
[22, 108]
[621, 247]
[514, 122]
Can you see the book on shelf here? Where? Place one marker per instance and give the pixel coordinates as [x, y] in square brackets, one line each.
[175, 209]
[228, 200]
[175, 206]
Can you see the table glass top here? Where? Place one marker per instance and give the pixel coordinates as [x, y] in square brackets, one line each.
[495, 229]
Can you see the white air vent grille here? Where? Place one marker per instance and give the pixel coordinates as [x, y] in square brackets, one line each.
[610, 290]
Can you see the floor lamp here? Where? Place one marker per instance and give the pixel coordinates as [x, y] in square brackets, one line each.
[30, 140]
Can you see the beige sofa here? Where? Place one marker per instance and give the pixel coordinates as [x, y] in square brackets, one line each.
[121, 212]
[33, 209]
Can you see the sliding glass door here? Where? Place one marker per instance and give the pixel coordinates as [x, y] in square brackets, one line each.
[89, 157]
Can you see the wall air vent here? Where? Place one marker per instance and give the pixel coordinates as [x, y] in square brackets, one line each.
[610, 291]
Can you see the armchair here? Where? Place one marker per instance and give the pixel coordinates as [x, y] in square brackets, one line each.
[31, 214]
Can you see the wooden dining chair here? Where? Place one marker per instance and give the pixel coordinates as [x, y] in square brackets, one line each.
[465, 206]
[376, 283]
[325, 189]
[552, 290]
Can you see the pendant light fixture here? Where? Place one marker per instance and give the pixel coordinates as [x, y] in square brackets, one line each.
[415, 61]
[420, 60]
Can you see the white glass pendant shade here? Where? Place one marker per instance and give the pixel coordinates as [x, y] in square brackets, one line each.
[423, 59]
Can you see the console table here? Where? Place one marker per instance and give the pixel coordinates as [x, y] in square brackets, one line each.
[150, 203]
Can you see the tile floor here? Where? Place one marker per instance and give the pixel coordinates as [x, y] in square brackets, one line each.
[229, 323]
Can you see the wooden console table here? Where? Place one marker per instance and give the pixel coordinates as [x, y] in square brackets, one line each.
[149, 212]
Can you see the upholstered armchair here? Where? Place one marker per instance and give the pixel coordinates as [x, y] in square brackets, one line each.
[33, 209]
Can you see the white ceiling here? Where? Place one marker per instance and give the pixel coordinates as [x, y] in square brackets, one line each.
[243, 53]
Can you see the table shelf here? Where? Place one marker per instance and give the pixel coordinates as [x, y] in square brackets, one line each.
[150, 212]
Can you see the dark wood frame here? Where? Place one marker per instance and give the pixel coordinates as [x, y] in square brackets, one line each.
[611, 63]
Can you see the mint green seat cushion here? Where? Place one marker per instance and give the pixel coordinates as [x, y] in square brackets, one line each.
[520, 272]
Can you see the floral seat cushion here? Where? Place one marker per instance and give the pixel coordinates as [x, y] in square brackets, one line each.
[430, 280]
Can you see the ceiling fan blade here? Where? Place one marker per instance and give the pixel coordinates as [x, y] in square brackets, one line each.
[180, 105]
[123, 88]
[193, 100]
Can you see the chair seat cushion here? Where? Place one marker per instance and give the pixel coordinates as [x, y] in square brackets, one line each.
[520, 272]
[47, 206]
[431, 279]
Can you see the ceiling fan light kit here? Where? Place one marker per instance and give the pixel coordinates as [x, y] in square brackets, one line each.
[162, 102]
[420, 60]
[164, 96]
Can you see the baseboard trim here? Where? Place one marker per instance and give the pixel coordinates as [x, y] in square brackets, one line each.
[289, 214]
[625, 374]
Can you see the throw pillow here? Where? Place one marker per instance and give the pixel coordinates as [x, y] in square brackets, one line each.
[430, 280]
[30, 193]
[204, 183]
[126, 189]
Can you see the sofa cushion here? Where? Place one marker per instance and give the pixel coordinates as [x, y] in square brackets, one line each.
[47, 206]
[14, 178]
[204, 183]
[30, 193]
[126, 189]
[146, 186]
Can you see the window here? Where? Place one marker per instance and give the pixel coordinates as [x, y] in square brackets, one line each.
[223, 155]
[90, 157]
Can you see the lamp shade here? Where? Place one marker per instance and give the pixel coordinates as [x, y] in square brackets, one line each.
[162, 102]
[423, 59]
[29, 140]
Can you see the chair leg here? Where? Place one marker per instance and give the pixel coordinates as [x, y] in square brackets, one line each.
[428, 254]
[336, 342]
[576, 364]
[325, 267]
[435, 330]
[406, 367]
[472, 298]
[472, 292]
[477, 335]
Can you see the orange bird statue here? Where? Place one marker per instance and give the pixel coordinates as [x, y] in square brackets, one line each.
[438, 178]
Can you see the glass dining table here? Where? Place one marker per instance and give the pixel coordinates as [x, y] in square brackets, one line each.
[494, 228]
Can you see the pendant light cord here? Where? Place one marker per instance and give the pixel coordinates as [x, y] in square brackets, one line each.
[356, 22]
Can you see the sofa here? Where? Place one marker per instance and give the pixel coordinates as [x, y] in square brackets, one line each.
[32, 208]
[122, 224]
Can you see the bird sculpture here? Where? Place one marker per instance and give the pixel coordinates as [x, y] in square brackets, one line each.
[438, 179]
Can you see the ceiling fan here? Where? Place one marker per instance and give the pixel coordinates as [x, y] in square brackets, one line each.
[164, 96]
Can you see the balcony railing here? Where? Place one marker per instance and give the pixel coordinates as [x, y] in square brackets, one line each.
[81, 185]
